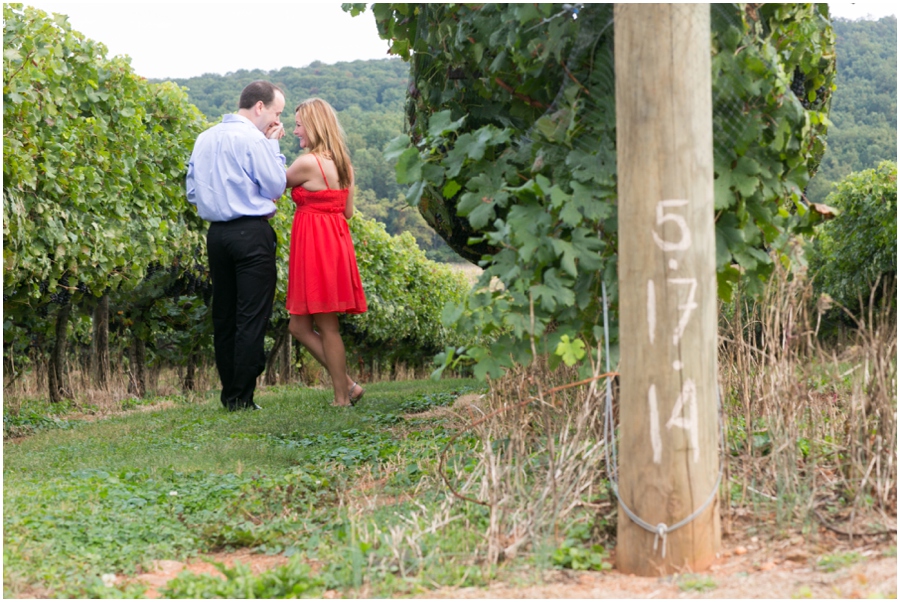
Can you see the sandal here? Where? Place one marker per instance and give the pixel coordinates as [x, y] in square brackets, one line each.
[355, 400]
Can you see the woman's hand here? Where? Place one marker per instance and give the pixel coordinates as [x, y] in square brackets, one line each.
[275, 131]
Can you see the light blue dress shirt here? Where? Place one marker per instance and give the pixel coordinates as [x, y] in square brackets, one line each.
[235, 171]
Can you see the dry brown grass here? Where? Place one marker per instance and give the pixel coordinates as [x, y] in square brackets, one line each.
[810, 425]
[90, 399]
[811, 429]
[541, 455]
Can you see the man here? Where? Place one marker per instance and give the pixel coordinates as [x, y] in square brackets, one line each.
[235, 173]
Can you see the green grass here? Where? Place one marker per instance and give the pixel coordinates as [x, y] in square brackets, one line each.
[833, 562]
[696, 583]
[91, 498]
[803, 593]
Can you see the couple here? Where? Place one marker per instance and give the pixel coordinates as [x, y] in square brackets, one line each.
[235, 174]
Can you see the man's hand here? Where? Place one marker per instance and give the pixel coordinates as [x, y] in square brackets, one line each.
[275, 131]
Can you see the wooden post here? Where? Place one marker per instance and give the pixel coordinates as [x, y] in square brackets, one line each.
[668, 451]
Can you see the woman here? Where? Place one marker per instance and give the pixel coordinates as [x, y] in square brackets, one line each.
[323, 279]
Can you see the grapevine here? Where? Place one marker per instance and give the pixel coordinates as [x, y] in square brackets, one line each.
[510, 154]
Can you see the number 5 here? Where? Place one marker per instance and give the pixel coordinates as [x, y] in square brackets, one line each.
[662, 217]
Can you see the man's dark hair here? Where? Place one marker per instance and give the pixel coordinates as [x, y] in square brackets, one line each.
[258, 91]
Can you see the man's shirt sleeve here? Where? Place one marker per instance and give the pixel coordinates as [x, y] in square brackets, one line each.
[189, 183]
[267, 165]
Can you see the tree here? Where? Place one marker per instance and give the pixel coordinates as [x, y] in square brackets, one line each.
[510, 154]
[852, 252]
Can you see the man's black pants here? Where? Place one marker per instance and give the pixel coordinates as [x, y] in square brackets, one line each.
[242, 265]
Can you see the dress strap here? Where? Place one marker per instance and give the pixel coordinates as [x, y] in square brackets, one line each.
[323, 172]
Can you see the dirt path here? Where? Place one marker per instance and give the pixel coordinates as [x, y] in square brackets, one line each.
[731, 577]
[166, 570]
[877, 579]
[749, 566]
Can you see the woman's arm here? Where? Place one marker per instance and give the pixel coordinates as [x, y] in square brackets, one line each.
[299, 171]
[348, 209]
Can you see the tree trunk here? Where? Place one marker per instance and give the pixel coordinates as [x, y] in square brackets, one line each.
[190, 376]
[284, 376]
[58, 378]
[152, 378]
[100, 343]
[137, 383]
[274, 363]
[297, 352]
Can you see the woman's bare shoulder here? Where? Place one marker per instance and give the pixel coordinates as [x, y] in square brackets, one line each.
[304, 164]
[306, 159]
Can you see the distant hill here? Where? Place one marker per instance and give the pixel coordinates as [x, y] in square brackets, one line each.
[864, 106]
[373, 86]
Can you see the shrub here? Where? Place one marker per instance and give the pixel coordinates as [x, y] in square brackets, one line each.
[853, 250]
[406, 294]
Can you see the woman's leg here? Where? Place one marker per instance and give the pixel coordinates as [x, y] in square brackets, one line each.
[335, 356]
[301, 328]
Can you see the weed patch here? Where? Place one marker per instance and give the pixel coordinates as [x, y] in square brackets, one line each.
[112, 496]
[29, 423]
[292, 580]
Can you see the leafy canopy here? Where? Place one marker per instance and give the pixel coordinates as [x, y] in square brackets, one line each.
[510, 153]
[94, 162]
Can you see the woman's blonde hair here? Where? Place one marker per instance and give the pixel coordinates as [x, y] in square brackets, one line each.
[325, 136]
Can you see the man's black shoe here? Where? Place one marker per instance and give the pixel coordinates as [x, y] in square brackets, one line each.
[248, 405]
[237, 405]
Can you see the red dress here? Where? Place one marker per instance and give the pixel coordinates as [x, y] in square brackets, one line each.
[322, 272]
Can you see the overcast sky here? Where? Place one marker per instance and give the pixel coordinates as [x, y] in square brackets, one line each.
[186, 39]
[168, 40]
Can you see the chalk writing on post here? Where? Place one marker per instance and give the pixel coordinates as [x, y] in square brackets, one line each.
[684, 413]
